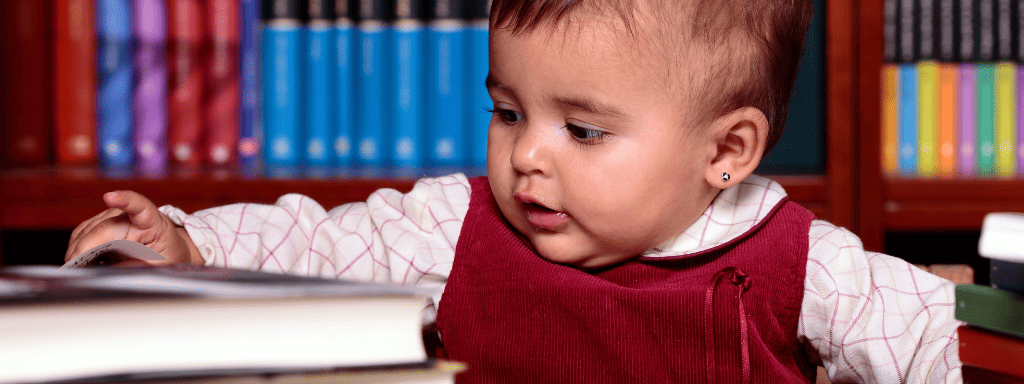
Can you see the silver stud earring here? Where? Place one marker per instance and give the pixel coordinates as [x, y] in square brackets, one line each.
[725, 176]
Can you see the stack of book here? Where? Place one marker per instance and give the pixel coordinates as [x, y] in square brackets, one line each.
[951, 89]
[992, 342]
[198, 324]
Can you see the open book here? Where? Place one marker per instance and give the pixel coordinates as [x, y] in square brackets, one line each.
[76, 323]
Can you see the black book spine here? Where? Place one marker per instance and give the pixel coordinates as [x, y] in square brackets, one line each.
[1007, 275]
[947, 30]
[892, 43]
[926, 30]
[986, 30]
[968, 34]
[906, 31]
[1004, 36]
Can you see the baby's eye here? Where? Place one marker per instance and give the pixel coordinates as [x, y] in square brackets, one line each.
[585, 135]
[507, 116]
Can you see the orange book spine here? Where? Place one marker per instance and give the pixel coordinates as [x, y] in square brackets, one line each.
[890, 92]
[948, 76]
[74, 82]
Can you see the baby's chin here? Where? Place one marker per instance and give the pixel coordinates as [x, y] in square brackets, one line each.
[573, 256]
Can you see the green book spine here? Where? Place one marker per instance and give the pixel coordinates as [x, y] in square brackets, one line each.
[986, 119]
[990, 308]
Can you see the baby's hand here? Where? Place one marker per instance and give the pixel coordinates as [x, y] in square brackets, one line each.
[133, 217]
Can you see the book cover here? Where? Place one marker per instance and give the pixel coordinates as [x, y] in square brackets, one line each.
[74, 82]
[27, 83]
[114, 124]
[249, 136]
[345, 99]
[1005, 120]
[479, 118]
[445, 91]
[319, 75]
[1006, 275]
[150, 24]
[947, 108]
[928, 118]
[282, 59]
[991, 351]
[908, 115]
[251, 323]
[186, 33]
[986, 114]
[967, 126]
[975, 375]
[991, 308]
[224, 92]
[371, 119]
[890, 118]
[407, 104]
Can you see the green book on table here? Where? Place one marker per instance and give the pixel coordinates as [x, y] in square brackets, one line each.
[991, 308]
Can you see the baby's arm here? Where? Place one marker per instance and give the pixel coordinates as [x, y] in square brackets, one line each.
[874, 318]
[392, 237]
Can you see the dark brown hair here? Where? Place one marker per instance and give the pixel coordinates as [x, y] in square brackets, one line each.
[774, 29]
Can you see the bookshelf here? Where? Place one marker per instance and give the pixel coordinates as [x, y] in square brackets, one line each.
[891, 204]
[59, 198]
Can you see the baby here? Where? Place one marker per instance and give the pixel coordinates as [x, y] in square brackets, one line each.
[619, 235]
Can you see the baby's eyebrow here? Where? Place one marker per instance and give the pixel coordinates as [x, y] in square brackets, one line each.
[591, 105]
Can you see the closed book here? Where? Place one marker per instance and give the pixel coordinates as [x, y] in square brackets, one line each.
[27, 82]
[282, 58]
[249, 137]
[114, 123]
[991, 351]
[1002, 234]
[908, 115]
[408, 104]
[74, 82]
[319, 76]
[1006, 275]
[345, 92]
[150, 24]
[1006, 120]
[478, 108]
[446, 66]
[928, 118]
[890, 117]
[947, 108]
[991, 308]
[967, 120]
[986, 115]
[223, 91]
[130, 322]
[187, 84]
[975, 375]
[371, 82]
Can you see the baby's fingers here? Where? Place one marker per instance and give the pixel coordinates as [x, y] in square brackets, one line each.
[142, 212]
[99, 231]
[88, 224]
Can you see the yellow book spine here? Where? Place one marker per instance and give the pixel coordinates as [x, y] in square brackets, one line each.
[928, 118]
[948, 76]
[890, 117]
[1006, 120]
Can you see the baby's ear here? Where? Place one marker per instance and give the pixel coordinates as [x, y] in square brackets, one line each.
[740, 137]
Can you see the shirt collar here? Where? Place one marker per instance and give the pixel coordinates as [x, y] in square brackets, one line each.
[732, 213]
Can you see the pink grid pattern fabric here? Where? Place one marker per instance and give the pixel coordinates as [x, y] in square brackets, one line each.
[866, 317]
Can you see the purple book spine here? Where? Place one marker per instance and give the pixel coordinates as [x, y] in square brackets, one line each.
[968, 120]
[150, 24]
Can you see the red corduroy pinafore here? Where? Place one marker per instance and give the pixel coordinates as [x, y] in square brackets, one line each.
[726, 315]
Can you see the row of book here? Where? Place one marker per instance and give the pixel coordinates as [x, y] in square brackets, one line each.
[953, 30]
[992, 340]
[148, 83]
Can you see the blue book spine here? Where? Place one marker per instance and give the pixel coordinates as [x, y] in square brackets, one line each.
[407, 123]
[480, 101]
[320, 91]
[282, 42]
[114, 98]
[248, 127]
[345, 92]
[445, 92]
[371, 84]
[907, 124]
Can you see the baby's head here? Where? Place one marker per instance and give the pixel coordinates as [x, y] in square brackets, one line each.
[615, 120]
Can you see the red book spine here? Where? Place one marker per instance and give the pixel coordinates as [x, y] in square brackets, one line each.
[991, 351]
[26, 89]
[224, 92]
[186, 90]
[74, 82]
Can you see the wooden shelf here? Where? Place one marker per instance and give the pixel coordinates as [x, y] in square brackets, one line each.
[928, 205]
[61, 198]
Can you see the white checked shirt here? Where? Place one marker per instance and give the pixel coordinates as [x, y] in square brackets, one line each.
[867, 317]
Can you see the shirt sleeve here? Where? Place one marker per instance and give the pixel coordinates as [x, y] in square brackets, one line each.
[873, 318]
[391, 237]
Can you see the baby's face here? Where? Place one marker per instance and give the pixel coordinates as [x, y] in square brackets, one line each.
[588, 156]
